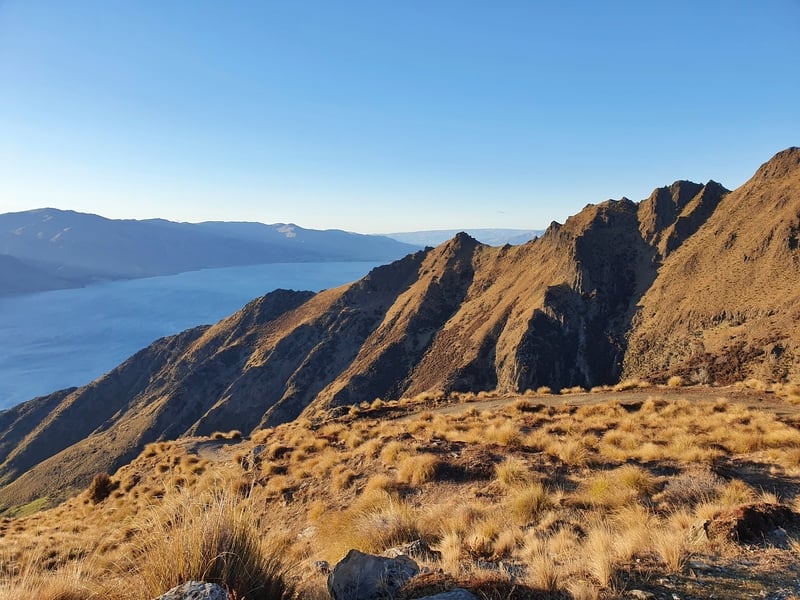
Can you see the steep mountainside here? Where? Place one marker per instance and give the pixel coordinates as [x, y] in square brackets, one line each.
[76, 248]
[726, 303]
[619, 289]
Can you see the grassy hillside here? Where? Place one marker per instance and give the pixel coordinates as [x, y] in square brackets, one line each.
[585, 495]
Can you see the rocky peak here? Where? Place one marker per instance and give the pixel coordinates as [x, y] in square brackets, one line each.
[780, 165]
[662, 207]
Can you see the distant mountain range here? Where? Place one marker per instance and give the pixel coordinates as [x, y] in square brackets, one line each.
[491, 237]
[51, 249]
[694, 281]
[47, 249]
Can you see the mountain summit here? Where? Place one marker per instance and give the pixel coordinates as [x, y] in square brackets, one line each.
[693, 281]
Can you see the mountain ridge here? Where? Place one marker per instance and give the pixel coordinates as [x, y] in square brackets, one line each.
[53, 249]
[621, 289]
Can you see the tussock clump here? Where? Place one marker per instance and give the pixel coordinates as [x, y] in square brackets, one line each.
[529, 502]
[377, 520]
[417, 469]
[207, 538]
[675, 381]
[101, 487]
[513, 472]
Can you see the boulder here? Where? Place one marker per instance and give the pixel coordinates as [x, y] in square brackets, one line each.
[360, 576]
[195, 590]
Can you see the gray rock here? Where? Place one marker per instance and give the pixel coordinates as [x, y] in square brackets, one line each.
[360, 576]
[195, 590]
[640, 595]
[454, 594]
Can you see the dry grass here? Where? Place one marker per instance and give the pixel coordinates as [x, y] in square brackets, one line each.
[207, 538]
[571, 496]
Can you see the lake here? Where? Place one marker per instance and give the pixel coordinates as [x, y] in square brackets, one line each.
[53, 340]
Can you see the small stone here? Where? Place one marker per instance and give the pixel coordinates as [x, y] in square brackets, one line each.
[640, 595]
[195, 590]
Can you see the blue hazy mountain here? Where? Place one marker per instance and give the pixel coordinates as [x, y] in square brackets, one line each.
[490, 237]
[49, 249]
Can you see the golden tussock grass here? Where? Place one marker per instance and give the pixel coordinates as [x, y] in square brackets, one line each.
[572, 494]
[417, 469]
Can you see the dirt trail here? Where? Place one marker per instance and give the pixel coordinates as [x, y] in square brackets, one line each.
[768, 401]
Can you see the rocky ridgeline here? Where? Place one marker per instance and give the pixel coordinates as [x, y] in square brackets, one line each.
[695, 282]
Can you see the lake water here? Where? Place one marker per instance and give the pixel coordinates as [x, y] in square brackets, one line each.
[53, 340]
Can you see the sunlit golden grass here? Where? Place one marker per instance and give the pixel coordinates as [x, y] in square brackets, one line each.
[572, 494]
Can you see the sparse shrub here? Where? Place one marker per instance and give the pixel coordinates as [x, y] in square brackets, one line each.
[690, 489]
[101, 487]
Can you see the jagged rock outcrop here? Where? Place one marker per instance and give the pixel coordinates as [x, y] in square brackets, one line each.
[693, 280]
[726, 302]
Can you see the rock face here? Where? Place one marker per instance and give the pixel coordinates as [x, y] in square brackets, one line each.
[693, 281]
[726, 302]
[195, 590]
[360, 576]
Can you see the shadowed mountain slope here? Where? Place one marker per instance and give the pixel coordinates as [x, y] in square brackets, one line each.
[619, 289]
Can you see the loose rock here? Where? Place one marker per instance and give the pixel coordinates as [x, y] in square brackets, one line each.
[195, 590]
[360, 576]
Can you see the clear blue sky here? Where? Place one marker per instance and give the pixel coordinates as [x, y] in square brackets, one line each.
[386, 116]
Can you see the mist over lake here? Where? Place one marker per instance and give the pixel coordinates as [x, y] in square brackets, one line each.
[53, 340]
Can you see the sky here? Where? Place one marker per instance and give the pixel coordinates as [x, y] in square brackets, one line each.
[386, 116]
